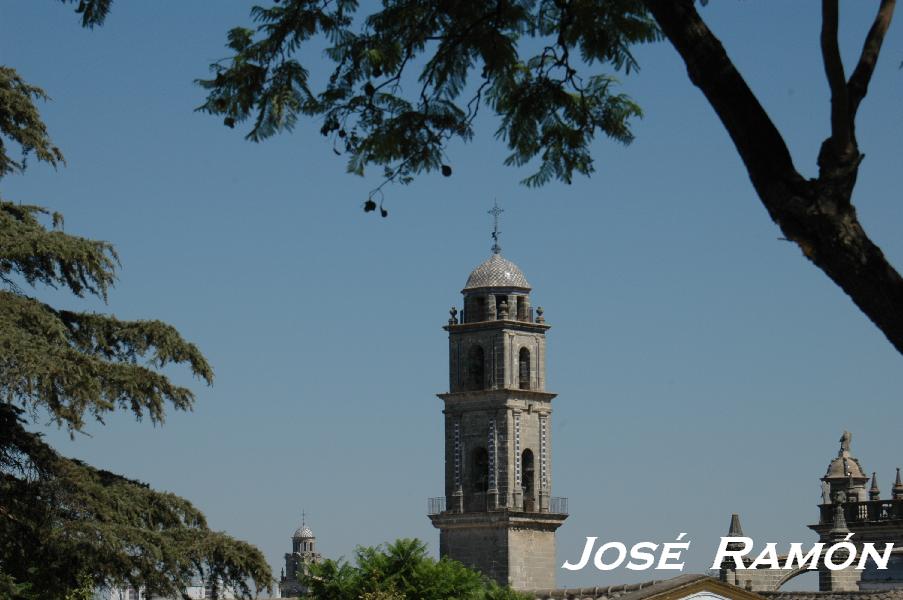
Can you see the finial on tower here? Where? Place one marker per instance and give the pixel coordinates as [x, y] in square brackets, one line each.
[303, 517]
[735, 529]
[495, 211]
[898, 487]
[874, 492]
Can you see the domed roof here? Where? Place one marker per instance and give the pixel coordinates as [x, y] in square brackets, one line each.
[844, 467]
[303, 533]
[497, 272]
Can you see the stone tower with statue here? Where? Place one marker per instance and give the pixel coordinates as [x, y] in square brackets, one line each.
[851, 508]
[498, 514]
[850, 505]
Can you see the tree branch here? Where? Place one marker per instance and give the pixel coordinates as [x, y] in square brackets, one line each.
[862, 74]
[830, 51]
[816, 214]
[758, 141]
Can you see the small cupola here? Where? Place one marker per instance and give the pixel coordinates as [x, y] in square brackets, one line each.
[303, 539]
[845, 474]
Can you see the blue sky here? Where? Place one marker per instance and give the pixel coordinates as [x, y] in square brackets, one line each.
[703, 366]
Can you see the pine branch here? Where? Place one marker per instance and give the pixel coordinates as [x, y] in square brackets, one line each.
[93, 12]
[21, 123]
[73, 364]
[52, 257]
[72, 519]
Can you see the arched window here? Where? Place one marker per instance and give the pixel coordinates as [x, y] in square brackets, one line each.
[526, 469]
[523, 371]
[474, 369]
[480, 469]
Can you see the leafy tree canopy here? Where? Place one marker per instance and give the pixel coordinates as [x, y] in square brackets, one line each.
[548, 108]
[410, 75]
[67, 527]
[397, 571]
[21, 124]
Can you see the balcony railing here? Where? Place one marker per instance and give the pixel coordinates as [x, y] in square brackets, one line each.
[478, 316]
[491, 502]
[435, 506]
[871, 511]
[557, 505]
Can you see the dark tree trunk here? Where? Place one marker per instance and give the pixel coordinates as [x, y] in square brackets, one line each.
[817, 214]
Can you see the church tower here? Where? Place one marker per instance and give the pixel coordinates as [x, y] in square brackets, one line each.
[298, 561]
[498, 514]
[849, 506]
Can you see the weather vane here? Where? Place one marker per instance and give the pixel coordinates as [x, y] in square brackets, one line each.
[495, 212]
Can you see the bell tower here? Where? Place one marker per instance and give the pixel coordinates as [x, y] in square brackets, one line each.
[498, 514]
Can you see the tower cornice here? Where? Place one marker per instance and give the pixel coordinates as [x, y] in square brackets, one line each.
[497, 324]
[497, 394]
[502, 518]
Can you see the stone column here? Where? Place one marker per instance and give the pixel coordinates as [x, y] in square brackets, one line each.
[544, 463]
[518, 495]
[491, 449]
[456, 503]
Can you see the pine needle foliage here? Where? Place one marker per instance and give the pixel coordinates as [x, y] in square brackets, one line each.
[65, 524]
[412, 76]
[67, 528]
[20, 123]
[78, 363]
[93, 12]
[400, 570]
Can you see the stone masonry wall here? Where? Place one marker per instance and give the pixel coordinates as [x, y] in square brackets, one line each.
[532, 559]
[481, 548]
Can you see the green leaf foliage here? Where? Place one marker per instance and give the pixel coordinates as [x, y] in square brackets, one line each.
[413, 75]
[76, 363]
[397, 571]
[52, 258]
[20, 122]
[66, 526]
[93, 12]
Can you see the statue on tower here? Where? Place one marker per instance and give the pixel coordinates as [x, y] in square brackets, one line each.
[845, 440]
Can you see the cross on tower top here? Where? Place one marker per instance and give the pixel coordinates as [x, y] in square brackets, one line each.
[495, 211]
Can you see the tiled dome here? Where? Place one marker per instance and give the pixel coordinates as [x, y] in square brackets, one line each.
[303, 532]
[497, 272]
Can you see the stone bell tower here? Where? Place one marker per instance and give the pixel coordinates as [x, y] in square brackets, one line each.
[498, 514]
[298, 561]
